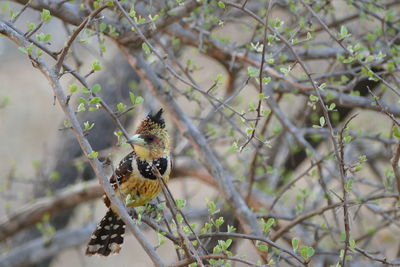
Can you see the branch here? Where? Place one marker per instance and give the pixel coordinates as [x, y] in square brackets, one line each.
[187, 262]
[395, 166]
[323, 24]
[67, 12]
[75, 34]
[244, 236]
[377, 258]
[346, 100]
[321, 210]
[33, 213]
[39, 249]
[71, 14]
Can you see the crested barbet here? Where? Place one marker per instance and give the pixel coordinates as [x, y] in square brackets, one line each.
[134, 178]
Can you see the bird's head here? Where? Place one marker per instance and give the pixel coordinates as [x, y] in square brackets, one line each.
[151, 140]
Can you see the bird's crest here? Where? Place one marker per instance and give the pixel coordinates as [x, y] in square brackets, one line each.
[157, 118]
[152, 122]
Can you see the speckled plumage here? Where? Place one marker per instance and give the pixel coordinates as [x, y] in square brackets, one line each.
[134, 180]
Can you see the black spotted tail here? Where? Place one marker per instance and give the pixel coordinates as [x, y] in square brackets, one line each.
[108, 236]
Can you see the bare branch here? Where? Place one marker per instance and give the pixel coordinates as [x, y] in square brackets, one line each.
[37, 250]
[33, 213]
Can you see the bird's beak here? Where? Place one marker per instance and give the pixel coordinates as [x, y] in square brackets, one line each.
[136, 140]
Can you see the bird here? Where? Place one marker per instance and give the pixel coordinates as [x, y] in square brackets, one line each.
[133, 179]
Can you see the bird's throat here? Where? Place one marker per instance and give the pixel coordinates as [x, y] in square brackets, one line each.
[143, 153]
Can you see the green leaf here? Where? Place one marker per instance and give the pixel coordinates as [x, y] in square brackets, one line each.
[129, 199]
[43, 37]
[29, 48]
[88, 126]
[322, 121]
[96, 65]
[348, 186]
[217, 249]
[121, 107]
[132, 96]
[228, 243]
[212, 208]
[270, 61]
[139, 100]
[102, 27]
[82, 100]
[347, 139]
[306, 252]
[31, 26]
[284, 71]
[252, 71]
[219, 78]
[180, 203]
[93, 155]
[219, 222]
[313, 98]
[96, 88]
[342, 237]
[266, 80]
[22, 49]
[262, 247]
[26, 50]
[132, 12]
[295, 244]
[234, 147]
[73, 88]
[155, 18]
[249, 130]
[357, 168]
[369, 58]
[81, 107]
[205, 229]
[45, 16]
[231, 229]
[146, 48]
[54, 175]
[118, 133]
[103, 48]
[140, 20]
[95, 100]
[266, 112]
[267, 225]
[221, 4]
[344, 32]
[396, 132]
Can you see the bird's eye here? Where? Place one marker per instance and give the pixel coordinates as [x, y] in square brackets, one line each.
[149, 139]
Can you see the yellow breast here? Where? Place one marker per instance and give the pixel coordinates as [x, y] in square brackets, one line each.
[138, 190]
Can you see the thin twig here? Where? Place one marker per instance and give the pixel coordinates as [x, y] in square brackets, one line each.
[75, 34]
